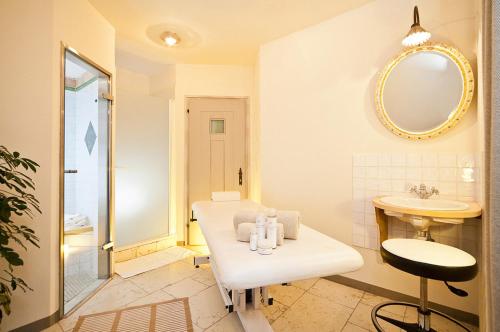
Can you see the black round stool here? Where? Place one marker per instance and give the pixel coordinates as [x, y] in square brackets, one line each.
[428, 260]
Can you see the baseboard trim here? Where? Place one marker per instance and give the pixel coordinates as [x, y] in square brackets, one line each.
[40, 324]
[463, 316]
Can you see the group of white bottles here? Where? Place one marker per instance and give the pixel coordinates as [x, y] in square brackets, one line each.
[265, 236]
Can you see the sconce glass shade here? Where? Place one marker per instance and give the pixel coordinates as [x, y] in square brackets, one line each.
[417, 35]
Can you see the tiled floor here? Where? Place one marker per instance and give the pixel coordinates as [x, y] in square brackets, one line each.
[310, 305]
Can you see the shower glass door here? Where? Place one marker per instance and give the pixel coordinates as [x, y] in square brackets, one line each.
[85, 187]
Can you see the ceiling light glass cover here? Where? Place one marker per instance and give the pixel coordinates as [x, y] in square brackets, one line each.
[417, 35]
[171, 38]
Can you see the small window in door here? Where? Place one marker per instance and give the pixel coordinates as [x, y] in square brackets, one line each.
[217, 126]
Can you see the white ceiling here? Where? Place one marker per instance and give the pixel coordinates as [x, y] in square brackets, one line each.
[229, 31]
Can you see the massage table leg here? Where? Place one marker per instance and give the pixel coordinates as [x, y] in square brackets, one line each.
[252, 319]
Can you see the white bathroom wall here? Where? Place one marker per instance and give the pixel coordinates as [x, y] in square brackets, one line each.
[142, 160]
[317, 110]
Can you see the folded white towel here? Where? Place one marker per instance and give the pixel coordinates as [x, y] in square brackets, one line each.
[244, 230]
[244, 216]
[225, 196]
[289, 219]
[291, 223]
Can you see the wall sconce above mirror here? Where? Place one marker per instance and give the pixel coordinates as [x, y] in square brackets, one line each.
[425, 91]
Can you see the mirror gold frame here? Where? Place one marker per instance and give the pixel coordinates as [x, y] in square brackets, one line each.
[467, 92]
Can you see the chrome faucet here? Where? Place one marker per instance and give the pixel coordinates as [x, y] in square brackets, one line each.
[422, 191]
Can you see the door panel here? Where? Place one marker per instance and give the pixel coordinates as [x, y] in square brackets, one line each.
[85, 187]
[217, 151]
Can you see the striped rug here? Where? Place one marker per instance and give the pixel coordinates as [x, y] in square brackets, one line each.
[169, 316]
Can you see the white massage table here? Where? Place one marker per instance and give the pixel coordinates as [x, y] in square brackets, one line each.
[241, 273]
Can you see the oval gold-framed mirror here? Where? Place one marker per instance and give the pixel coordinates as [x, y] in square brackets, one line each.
[424, 91]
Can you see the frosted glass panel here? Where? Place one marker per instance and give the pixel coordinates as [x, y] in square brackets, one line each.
[217, 126]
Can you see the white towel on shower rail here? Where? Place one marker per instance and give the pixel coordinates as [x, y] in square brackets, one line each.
[225, 196]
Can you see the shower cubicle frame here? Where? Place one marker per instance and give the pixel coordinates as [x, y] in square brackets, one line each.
[110, 191]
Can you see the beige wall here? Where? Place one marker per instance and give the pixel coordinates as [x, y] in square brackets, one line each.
[200, 80]
[317, 109]
[30, 34]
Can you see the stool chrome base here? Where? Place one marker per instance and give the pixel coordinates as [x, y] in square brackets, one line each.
[410, 327]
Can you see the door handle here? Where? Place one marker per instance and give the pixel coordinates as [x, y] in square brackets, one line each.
[70, 171]
[108, 246]
[240, 176]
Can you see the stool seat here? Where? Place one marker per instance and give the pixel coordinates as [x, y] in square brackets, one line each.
[429, 259]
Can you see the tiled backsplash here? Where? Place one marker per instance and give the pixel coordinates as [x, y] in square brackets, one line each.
[456, 175]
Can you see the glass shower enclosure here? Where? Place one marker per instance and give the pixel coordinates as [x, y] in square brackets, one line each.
[85, 187]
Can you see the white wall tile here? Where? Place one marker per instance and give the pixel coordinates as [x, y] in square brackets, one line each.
[413, 160]
[358, 183]
[448, 174]
[466, 189]
[456, 176]
[358, 229]
[384, 172]
[358, 172]
[372, 184]
[358, 240]
[371, 172]
[398, 159]
[399, 186]
[371, 160]
[447, 160]
[384, 159]
[398, 173]
[430, 160]
[430, 174]
[358, 218]
[384, 186]
[414, 174]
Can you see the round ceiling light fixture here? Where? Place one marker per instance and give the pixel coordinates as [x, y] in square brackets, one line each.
[417, 35]
[170, 38]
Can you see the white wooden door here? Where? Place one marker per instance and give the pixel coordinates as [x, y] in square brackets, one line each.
[217, 151]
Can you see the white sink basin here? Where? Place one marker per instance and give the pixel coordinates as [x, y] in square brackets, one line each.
[425, 204]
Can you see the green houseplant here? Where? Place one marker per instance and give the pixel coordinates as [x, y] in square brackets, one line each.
[16, 201]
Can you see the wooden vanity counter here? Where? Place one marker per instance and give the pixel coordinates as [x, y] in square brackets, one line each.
[473, 211]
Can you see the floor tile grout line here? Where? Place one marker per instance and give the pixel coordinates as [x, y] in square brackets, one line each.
[206, 287]
[282, 313]
[349, 318]
[162, 287]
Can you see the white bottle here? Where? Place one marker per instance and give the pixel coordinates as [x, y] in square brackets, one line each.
[253, 240]
[264, 247]
[272, 232]
[281, 234]
[272, 227]
[260, 226]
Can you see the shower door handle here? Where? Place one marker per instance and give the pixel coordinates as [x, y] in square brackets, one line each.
[108, 246]
[70, 171]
